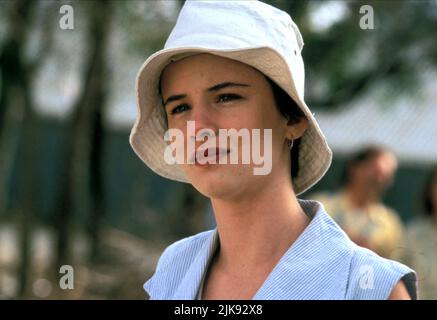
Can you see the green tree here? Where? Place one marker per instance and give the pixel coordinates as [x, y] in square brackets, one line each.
[346, 60]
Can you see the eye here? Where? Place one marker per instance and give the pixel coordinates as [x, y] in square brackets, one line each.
[228, 97]
[180, 108]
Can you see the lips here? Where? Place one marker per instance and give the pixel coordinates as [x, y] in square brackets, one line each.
[206, 156]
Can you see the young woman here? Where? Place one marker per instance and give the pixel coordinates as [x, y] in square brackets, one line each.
[237, 65]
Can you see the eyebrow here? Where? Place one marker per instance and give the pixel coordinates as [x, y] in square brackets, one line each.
[214, 88]
[174, 98]
[220, 86]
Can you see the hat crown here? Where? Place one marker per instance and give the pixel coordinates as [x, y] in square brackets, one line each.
[236, 25]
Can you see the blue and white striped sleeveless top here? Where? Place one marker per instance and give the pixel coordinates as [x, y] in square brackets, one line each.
[323, 263]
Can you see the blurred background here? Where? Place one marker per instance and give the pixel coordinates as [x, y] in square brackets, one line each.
[72, 192]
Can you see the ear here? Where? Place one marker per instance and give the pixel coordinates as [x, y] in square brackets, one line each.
[297, 129]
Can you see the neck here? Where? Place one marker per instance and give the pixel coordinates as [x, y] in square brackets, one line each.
[360, 196]
[257, 233]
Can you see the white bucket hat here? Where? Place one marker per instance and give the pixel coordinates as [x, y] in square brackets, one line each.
[251, 32]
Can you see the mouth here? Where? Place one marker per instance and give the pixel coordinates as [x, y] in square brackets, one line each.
[208, 156]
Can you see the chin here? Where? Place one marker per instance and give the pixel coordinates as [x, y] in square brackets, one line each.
[217, 183]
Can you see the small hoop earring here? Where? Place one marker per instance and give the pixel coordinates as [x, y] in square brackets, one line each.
[290, 144]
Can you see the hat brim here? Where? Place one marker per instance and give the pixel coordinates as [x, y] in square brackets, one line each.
[147, 135]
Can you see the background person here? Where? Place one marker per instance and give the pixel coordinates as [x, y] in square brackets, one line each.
[358, 208]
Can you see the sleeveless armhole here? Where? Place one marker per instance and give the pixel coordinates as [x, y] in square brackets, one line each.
[410, 283]
[374, 278]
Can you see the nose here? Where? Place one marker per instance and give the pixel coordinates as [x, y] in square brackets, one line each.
[203, 119]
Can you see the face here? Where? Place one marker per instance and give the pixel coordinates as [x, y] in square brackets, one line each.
[377, 172]
[218, 93]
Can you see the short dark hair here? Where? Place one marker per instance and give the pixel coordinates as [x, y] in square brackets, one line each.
[291, 111]
[361, 156]
[428, 205]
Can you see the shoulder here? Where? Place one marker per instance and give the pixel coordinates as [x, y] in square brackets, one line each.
[185, 248]
[389, 215]
[174, 264]
[374, 278]
[367, 276]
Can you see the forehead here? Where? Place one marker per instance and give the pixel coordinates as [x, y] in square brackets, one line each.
[208, 68]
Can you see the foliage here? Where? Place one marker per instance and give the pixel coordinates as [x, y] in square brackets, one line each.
[343, 60]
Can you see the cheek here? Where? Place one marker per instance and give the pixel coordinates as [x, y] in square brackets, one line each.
[259, 115]
[268, 119]
[175, 124]
[187, 170]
